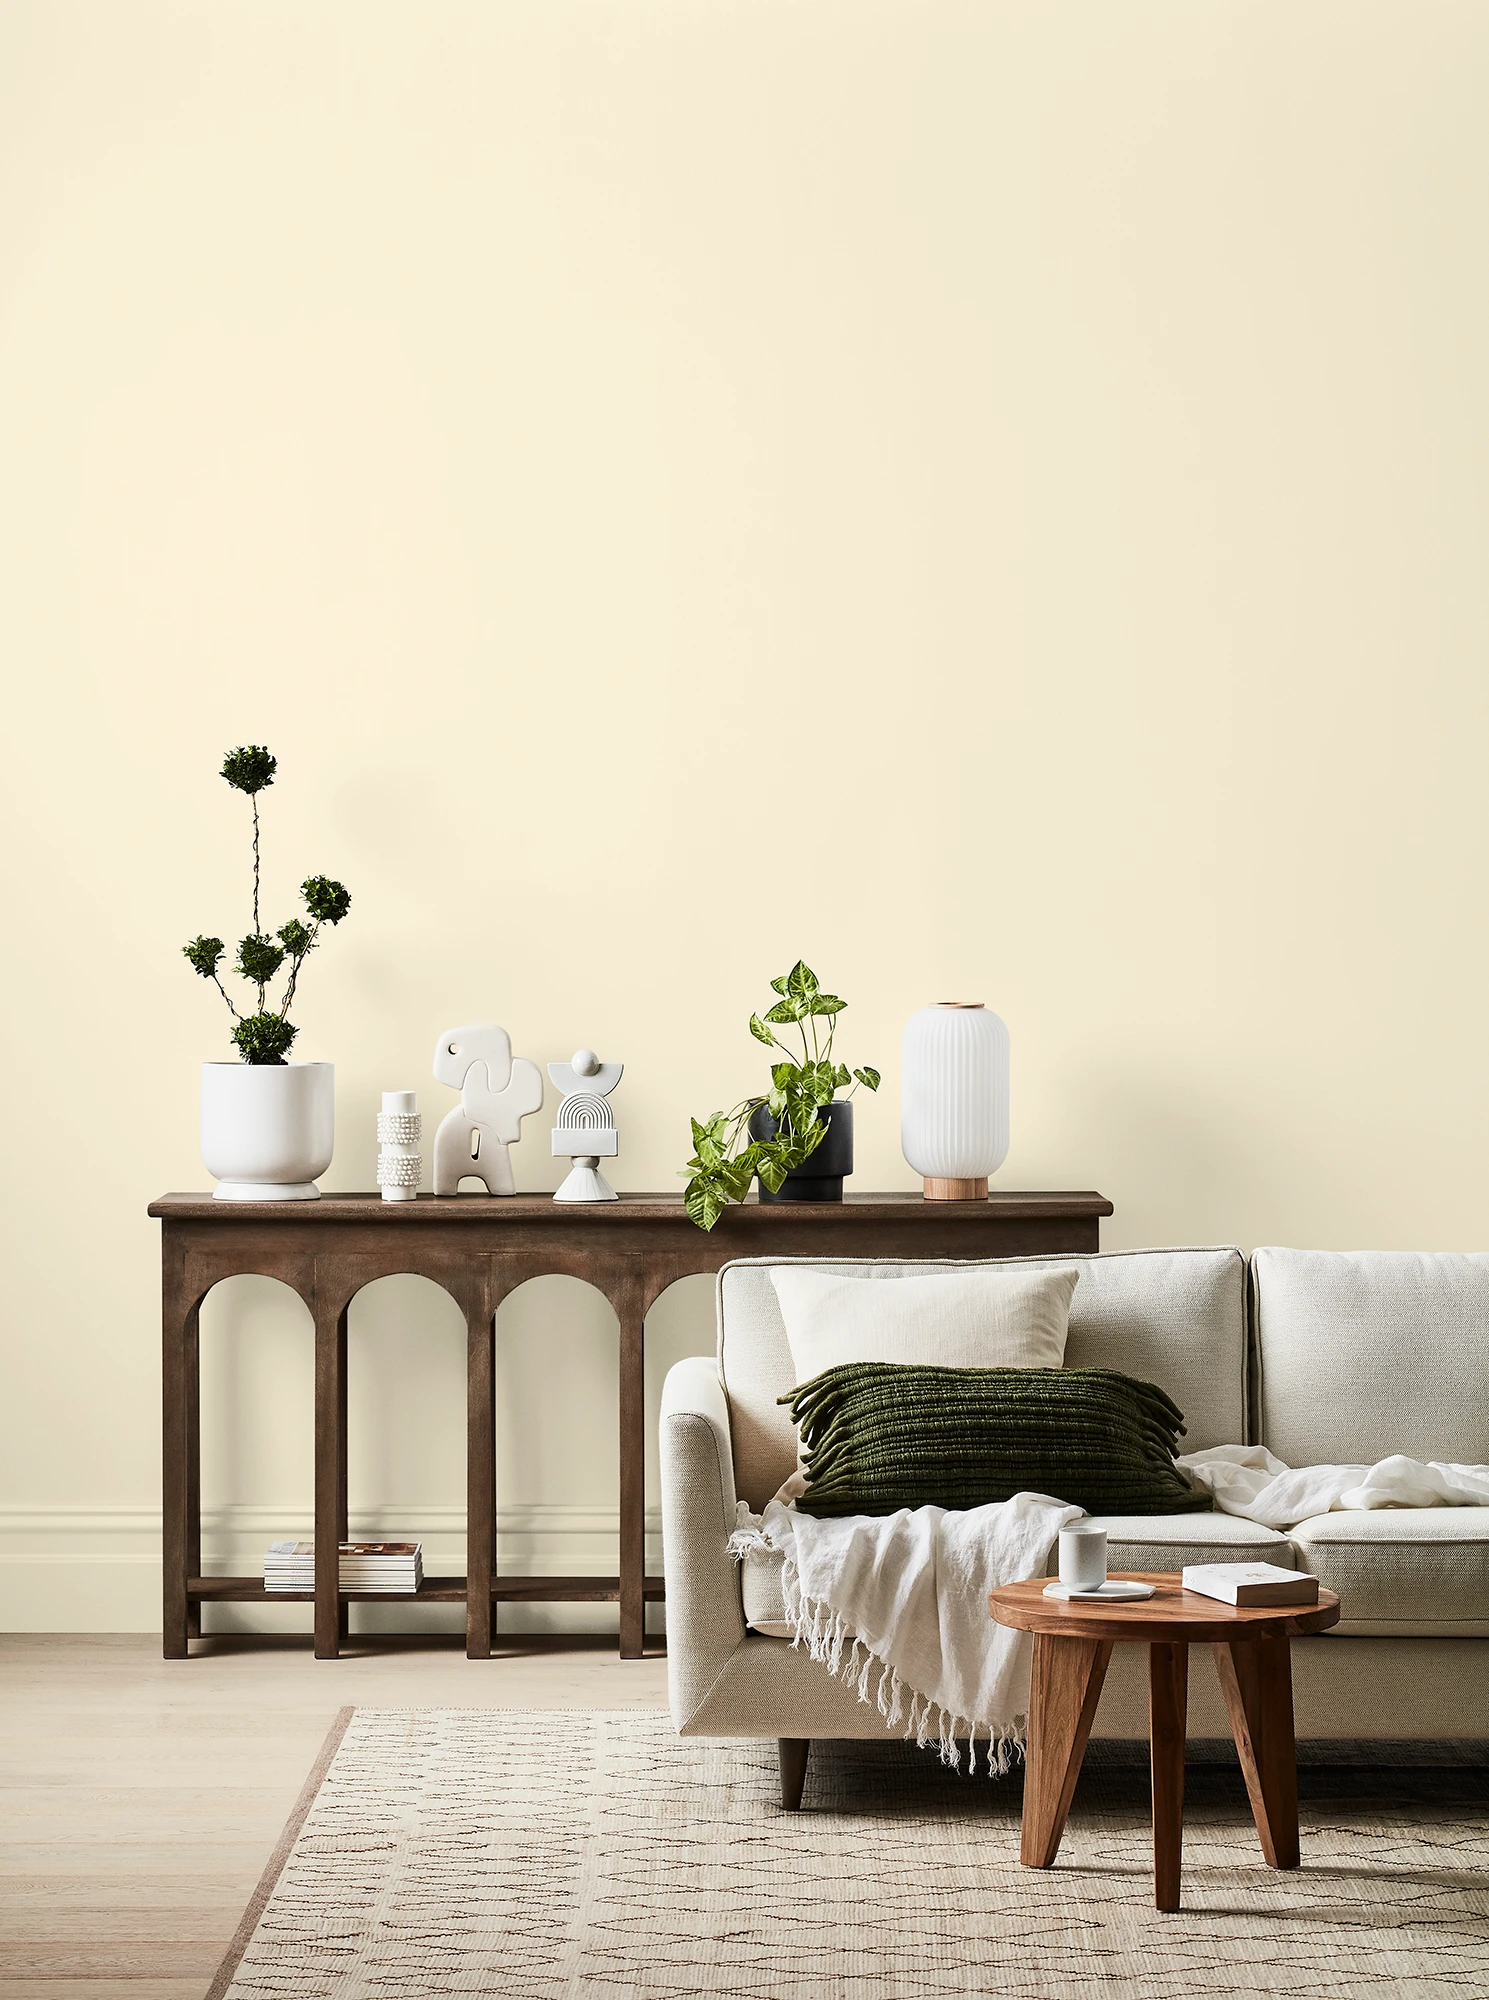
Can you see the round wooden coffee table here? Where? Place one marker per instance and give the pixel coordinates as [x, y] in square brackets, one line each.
[1072, 1645]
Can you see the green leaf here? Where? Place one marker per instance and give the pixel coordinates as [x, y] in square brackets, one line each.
[817, 1083]
[761, 1033]
[784, 1012]
[779, 985]
[801, 1110]
[703, 1202]
[784, 1074]
[801, 981]
[841, 1076]
[773, 1174]
[869, 1078]
[776, 1104]
[828, 1003]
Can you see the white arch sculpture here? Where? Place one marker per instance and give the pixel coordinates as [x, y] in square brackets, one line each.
[586, 1124]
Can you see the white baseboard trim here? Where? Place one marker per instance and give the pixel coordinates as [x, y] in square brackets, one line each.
[425, 1519]
[97, 1569]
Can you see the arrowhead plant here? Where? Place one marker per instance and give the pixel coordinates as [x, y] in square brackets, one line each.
[261, 1033]
[725, 1159]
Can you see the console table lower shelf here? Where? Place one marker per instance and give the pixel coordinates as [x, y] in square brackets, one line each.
[433, 1590]
[479, 1249]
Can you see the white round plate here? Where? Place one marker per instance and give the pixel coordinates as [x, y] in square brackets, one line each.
[1113, 1591]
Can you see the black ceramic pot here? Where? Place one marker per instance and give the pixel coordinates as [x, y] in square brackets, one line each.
[821, 1175]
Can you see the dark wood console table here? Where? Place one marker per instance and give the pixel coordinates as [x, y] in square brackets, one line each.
[480, 1248]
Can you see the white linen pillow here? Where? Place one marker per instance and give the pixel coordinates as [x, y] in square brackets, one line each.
[962, 1319]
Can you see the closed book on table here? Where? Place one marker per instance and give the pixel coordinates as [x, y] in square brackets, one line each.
[1251, 1583]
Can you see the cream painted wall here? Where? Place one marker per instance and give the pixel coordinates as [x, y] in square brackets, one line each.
[989, 496]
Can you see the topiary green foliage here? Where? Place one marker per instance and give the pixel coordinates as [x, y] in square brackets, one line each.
[259, 958]
[204, 952]
[264, 1038]
[725, 1160]
[265, 1035]
[326, 900]
[249, 768]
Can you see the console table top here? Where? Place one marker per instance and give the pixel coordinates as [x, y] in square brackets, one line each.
[538, 1208]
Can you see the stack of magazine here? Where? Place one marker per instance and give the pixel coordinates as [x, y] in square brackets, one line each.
[396, 1567]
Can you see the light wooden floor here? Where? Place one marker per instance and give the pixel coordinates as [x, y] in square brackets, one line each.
[140, 1798]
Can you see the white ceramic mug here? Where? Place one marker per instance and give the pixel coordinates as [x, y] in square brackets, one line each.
[1083, 1557]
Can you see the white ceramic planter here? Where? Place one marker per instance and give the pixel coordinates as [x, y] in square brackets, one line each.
[268, 1129]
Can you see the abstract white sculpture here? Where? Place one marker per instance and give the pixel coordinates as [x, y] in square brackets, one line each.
[586, 1124]
[497, 1091]
[954, 1098]
[399, 1129]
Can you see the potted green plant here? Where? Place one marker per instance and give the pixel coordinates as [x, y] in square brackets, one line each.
[268, 1124]
[796, 1139]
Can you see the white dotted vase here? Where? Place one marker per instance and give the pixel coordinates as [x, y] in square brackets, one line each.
[954, 1098]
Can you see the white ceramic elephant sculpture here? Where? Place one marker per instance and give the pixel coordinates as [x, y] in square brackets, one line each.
[497, 1091]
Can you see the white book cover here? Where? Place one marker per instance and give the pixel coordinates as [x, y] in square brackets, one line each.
[1251, 1583]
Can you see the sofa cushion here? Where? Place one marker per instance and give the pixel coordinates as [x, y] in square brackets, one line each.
[986, 1317]
[1133, 1541]
[878, 1437]
[1403, 1571]
[1172, 1541]
[1174, 1317]
[1366, 1353]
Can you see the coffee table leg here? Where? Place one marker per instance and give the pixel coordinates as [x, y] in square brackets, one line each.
[1064, 1689]
[1257, 1678]
[1168, 1717]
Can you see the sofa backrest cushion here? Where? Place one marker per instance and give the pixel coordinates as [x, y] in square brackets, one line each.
[1362, 1353]
[1174, 1317]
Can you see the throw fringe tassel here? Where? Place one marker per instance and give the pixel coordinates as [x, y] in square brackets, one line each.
[826, 1635]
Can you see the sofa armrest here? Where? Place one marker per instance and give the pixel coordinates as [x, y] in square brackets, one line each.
[705, 1622]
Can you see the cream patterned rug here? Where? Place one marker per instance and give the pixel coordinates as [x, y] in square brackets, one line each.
[565, 1856]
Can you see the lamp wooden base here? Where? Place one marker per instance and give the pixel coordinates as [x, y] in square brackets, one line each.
[955, 1190]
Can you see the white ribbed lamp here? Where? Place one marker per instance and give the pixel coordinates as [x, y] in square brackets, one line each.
[954, 1098]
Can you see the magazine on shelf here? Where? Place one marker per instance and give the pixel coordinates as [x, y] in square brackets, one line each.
[394, 1567]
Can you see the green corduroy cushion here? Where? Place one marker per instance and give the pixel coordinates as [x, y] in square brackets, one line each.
[877, 1436]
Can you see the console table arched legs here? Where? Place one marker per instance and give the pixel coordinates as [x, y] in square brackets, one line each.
[480, 1249]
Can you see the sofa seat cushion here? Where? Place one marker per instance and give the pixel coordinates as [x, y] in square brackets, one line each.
[1133, 1541]
[1404, 1572]
[1173, 1541]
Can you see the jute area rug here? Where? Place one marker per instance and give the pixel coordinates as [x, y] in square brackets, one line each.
[561, 1855]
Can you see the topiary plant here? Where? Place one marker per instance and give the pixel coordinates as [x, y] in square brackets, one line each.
[265, 1036]
[725, 1160]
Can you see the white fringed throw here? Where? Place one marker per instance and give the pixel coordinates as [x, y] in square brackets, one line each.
[896, 1604]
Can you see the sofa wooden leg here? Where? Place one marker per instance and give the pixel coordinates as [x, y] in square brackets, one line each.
[793, 1770]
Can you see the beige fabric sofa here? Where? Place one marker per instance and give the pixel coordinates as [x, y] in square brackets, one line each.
[1325, 1357]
